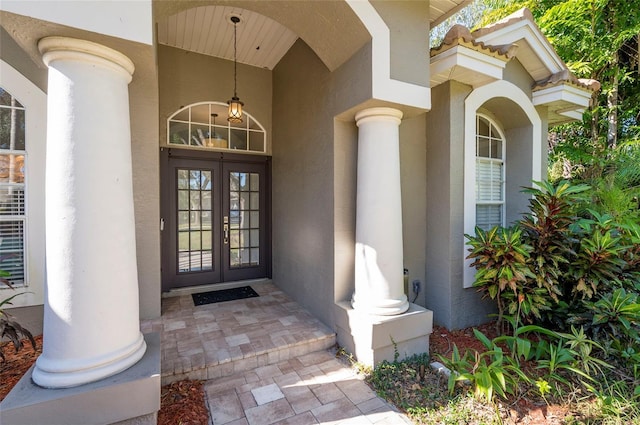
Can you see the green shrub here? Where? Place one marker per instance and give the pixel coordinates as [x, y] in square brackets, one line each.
[9, 327]
[502, 262]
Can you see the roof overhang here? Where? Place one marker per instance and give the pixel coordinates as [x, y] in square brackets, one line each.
[467, 65]
[439, 10]
[565, 101]
[535, 52]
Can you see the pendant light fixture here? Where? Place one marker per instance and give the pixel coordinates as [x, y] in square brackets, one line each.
[215, 140]
[235, 105]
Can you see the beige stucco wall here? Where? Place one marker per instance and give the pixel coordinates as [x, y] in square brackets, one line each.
[454, 306]
[413, 170]
[143, 101]
[187, 77]
[517, 171]
[11, 53]
[345, 178]
[314, 176]
[408, 23]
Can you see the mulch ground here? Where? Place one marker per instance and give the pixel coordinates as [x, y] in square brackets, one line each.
[181, 402]
[16, 364]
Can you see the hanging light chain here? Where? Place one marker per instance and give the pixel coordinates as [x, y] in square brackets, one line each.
[235, 55]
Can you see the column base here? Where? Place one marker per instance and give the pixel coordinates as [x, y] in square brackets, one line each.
[373, 339]
[45, 375]
[130, 397]
[386, 308]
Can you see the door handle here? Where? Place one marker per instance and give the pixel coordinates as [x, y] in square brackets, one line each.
[226, 233]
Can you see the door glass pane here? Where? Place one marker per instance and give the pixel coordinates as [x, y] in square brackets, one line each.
[255, 237]
[205, 180]
[234, 257]
[195, 199]
[244, 219]
[255, 197]
[206, 240]
[194, 216]
[234, 181]
[255, 256]
[183, 199]
[183, 220]
[255, 182]
[244, 200]
[207, 260]
[206, 220]
[244, 181]
[234, 238]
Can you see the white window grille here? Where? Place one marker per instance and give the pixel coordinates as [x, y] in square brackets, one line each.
[205, 125]
[12, 188]
[490, 146]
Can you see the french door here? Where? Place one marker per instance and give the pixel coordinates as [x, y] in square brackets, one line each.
[214, 218]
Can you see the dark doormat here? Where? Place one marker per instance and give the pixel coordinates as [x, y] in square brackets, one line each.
[224, 295]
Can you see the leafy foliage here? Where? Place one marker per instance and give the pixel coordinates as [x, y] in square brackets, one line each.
[9, 327]
[502, 261]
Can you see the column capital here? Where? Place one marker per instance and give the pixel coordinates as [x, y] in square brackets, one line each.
[65, 48]
[379, 114]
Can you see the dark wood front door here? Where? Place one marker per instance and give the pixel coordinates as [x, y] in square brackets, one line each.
[214, 218]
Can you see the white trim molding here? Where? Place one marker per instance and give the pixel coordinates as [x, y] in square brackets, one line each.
[472, 103]
[542, 50]
[34, 101]
[564, 99]
[467, 66]
[383, 86]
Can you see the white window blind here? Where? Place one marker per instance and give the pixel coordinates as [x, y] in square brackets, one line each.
[12, 188]
[489, 174]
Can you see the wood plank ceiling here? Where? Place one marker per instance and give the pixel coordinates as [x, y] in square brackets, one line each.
[262, 42]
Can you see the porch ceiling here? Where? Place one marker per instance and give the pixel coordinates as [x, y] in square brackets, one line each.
[330, 28]
[270, 27]
[262, 42]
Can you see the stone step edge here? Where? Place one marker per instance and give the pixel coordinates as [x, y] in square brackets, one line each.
[252, 361]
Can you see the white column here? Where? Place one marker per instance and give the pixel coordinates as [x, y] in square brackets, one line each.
[91, 317]
[379, 258]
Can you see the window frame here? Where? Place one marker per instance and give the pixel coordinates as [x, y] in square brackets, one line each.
[501, 161]
[20, 218]
[249, 126]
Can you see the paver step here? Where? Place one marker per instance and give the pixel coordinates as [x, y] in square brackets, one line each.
[217, 340]
[252, 360]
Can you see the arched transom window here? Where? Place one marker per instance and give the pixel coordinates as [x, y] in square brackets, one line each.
[205, 125]
[490, 148]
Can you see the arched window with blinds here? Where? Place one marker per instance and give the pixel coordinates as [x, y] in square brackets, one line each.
[490, 154]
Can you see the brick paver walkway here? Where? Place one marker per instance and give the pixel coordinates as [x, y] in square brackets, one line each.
[312, 389]
[266, 361]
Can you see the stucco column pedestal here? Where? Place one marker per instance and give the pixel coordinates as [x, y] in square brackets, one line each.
[379, 256]
[91, 318]
[380, 322]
